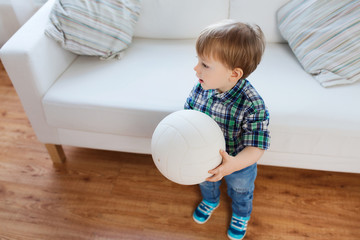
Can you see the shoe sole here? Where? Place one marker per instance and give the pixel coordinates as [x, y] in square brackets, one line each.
[230, 237]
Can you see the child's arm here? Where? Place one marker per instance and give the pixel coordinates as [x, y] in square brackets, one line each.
[247, 157]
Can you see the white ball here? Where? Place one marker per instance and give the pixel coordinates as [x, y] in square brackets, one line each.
[185, 146]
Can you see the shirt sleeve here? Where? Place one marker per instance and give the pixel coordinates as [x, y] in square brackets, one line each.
[256, 129]
[189, 103]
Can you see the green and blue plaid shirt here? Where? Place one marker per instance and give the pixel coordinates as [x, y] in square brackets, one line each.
[240, 112]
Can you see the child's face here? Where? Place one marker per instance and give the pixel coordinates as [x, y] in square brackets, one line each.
[213, 74]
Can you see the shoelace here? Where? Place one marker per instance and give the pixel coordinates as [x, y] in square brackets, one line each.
[203, 207]
[239, 223]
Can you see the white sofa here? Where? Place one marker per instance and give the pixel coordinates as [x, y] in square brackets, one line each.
[116, 104]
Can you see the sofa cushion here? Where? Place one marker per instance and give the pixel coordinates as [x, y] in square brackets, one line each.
[324, 36]
[94, 28]
[127, 97]
[178, 19]
[304, 117]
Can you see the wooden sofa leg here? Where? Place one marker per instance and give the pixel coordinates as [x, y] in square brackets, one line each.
[56, 153]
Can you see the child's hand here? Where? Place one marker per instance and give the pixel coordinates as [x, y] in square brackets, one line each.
[247, 157]
[224, 169]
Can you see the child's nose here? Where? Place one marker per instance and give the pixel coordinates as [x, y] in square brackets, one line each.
[196, 68]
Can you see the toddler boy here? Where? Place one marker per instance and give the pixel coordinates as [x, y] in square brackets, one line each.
[228, 52]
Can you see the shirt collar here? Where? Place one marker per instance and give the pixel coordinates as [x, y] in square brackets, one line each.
[232, 93]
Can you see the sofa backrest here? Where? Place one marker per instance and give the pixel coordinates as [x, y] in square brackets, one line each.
[260, 12]
[181, 19]
[178, 19]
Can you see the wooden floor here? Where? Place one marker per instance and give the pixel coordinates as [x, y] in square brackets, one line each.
[113, 195]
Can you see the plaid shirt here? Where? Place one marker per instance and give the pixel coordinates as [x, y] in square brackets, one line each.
[240, 112]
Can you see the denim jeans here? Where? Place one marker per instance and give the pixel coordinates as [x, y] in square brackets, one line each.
[240, 188]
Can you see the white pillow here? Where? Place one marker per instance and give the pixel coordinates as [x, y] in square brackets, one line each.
[96, 28]
[325, 37]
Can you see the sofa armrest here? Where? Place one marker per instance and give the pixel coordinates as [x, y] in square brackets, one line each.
[34, 62]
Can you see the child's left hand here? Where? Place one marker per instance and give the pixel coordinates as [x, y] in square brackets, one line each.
[247, 157]
[224, 169]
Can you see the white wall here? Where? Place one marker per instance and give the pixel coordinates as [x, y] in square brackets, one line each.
[13, 14]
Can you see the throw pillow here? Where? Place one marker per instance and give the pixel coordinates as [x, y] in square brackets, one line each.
[325, 37]
[94, 27]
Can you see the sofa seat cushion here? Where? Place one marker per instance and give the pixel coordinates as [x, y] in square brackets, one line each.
[306, 118]
[129, 97]
[123, 97]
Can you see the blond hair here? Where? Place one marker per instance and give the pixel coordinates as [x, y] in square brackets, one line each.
[234, 44]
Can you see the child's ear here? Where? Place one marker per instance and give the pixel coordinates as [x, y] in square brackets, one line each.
[236, 74]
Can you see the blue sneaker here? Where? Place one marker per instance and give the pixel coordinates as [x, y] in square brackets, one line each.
[203, 212]
[237, 229]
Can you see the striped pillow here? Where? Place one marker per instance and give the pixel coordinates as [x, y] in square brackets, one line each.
[94, 27]
[325, 37]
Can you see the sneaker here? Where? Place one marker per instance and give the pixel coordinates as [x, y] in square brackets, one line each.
[237, 229]
[203, 212]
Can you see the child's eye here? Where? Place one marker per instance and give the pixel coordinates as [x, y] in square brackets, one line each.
[204, 65]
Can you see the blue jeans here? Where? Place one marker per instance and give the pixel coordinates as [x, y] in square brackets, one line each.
[240, 188]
